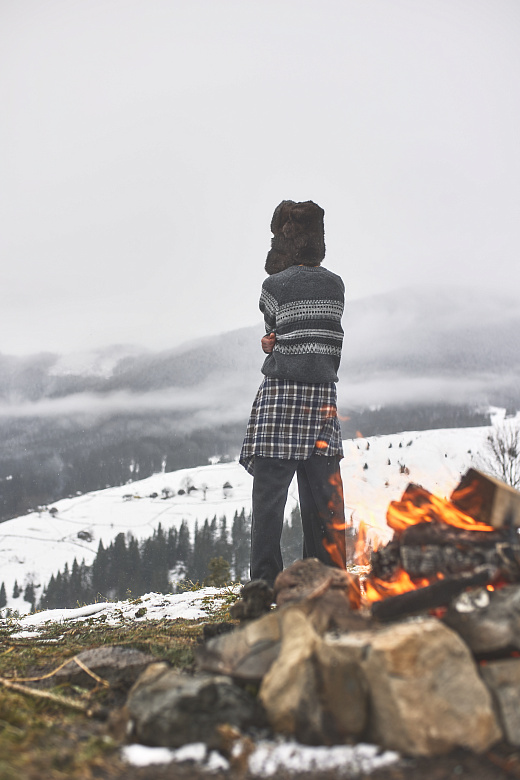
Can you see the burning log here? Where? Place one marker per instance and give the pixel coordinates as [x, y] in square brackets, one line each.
[439, 550]
[430, 597]
[487, 499]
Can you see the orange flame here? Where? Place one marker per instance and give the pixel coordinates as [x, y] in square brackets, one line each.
[354, 590]
[336, 543]
[361, 554]
[417, 505]
[377, 590]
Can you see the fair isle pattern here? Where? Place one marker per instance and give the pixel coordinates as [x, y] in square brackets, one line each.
[309, 332]
[292, 420]
[309, 310]
[310, 348]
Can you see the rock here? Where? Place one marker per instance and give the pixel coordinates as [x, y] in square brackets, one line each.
[246, 653]
[170, 709]
[308, 578]
[427, 697]
[328, 595]
[312, 691]
[487, 621]
[120, 666]
[255, 600]
[503, 680]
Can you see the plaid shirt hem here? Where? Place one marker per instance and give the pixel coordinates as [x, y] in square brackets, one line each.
[292, 421]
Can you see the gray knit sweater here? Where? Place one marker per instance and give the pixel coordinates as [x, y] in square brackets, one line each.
[303, 306]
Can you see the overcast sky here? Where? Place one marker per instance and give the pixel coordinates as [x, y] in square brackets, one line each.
[145, 143]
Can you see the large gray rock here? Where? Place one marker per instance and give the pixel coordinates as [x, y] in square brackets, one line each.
[169, 708]
[313, 690]
[120, 666]
[246, 653]
[427, 697]
[503, 680]
[487, 621]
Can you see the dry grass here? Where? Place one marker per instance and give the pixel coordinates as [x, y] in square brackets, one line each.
[45, 739]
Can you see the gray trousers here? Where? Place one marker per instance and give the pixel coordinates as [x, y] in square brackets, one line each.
[321, 504]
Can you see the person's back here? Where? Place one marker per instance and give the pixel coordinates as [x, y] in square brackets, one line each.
[302, 306]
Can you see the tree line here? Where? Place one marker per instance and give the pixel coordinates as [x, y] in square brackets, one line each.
[167, 561]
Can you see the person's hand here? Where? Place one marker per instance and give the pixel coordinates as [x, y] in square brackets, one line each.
[268, 343]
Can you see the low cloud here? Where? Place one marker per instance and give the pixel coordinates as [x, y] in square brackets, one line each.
[399, 389]
[214, 402]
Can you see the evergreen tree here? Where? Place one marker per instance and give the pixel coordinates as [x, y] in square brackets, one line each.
[99, 576]
[134, 565]
[119, 566]
[184, 548]
[203, 546]
[16, 590]
[75, 588]
[46, 601]
[147, 564]
[171, 546]
[222, 547]
[59, 595]
[29, 595]
[219, 572]
[292, 538]
[3, 597]
[160, 557]
[241, 544]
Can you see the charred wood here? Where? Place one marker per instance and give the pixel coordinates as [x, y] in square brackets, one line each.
[440, 594]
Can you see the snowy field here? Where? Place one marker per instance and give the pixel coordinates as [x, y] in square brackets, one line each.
[37, 545]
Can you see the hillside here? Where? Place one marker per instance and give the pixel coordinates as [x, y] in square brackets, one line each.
[37, 545]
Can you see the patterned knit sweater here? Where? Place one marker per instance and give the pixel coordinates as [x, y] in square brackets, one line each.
[303, 306]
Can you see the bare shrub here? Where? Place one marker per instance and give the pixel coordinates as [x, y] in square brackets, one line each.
[502, 453]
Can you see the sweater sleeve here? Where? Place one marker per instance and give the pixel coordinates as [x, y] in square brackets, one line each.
[268, 306]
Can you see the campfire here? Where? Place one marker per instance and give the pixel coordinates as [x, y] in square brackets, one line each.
[420, 655]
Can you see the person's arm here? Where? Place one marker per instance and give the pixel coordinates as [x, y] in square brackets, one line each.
[268, 307]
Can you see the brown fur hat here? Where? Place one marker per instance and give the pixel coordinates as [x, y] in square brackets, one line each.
[298, 236]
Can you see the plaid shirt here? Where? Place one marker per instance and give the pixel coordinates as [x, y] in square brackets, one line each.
[292, 420]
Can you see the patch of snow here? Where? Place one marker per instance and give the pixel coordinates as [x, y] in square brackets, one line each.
[142, 755]
[271, 758]
[191, 605]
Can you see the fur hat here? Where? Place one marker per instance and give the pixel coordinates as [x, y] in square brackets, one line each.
[298, 236]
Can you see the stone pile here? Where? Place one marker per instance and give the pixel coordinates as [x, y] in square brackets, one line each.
[323, 673]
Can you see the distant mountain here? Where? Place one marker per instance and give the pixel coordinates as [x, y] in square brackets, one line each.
[463, 337]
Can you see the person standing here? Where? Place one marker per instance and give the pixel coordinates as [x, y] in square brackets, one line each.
[294, 426]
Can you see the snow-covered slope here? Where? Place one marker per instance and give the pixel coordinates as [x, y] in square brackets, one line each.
[37, 545]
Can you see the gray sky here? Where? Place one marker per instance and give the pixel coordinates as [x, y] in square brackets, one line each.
[145, 143]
